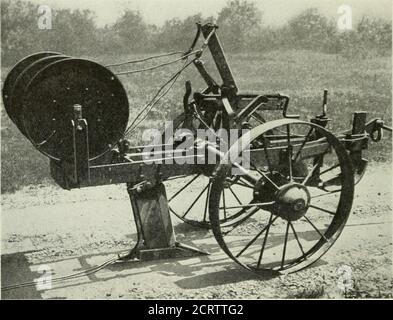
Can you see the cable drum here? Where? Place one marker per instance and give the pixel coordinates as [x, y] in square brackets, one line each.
[12, 76]
[48, 101]
[16, 92]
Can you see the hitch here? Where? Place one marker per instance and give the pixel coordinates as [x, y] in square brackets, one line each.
[374, 129]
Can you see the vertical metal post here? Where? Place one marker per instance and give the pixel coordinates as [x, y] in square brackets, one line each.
[80, 146]
[356, 147]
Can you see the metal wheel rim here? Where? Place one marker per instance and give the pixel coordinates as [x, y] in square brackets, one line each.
[334, 230]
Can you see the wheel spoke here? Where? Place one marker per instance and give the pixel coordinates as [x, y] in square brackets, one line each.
[196, 199]
[236, 197]
[242, 184]
[303, 144]
[206, 202]
[256, 237]
[266, 177]
[285, 246]
[245, 174]
[184, 187]
[289, 151]
[322, 209]
[310, 174]
[316, 229]
[329, 169]
[327, 193]
[296, 237]
[223, 202]
[250, 205]
[267, 154]
[264, 241]
[235, 225]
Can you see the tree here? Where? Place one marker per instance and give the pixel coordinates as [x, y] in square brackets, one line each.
[18, 30]
[375, 33]
[178, 34]
[73, 32]
[238, 21]
[311, 30]
[132, 31]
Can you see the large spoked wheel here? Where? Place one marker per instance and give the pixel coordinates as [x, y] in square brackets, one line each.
[295, 215]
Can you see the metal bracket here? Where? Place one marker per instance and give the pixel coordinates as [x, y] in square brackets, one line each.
[156, 237]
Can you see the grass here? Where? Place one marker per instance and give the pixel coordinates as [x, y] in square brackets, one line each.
[353, 84]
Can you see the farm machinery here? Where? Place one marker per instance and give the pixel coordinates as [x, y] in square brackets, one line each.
[276, 198]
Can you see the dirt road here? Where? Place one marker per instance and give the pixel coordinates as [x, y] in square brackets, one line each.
[45, 228]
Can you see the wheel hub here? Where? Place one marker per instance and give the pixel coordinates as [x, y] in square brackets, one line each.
[292, 201]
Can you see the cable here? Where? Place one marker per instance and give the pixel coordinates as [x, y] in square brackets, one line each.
[156, 98]
[156, 66]
[149, 107]
[63, 278]
[151, 103]
[144, 59]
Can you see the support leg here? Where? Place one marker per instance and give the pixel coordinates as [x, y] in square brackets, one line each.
[156, 237]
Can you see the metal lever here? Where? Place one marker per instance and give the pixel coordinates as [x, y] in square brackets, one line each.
[324, 103]
[285, 109]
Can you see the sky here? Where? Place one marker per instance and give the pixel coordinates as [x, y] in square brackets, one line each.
[275, 12]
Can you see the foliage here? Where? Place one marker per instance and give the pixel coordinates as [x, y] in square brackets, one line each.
[238, 20]
[74, 31]
[240, 23]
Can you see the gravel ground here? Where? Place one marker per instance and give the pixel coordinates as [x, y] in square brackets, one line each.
[68, 231]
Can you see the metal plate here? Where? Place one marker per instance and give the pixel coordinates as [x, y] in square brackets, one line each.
[17, 90]
[48, 102]
[15, 72]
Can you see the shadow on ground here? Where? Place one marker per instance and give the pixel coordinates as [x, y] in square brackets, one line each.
[200, 271]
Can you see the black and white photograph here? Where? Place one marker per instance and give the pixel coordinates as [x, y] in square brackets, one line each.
[217, 151]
